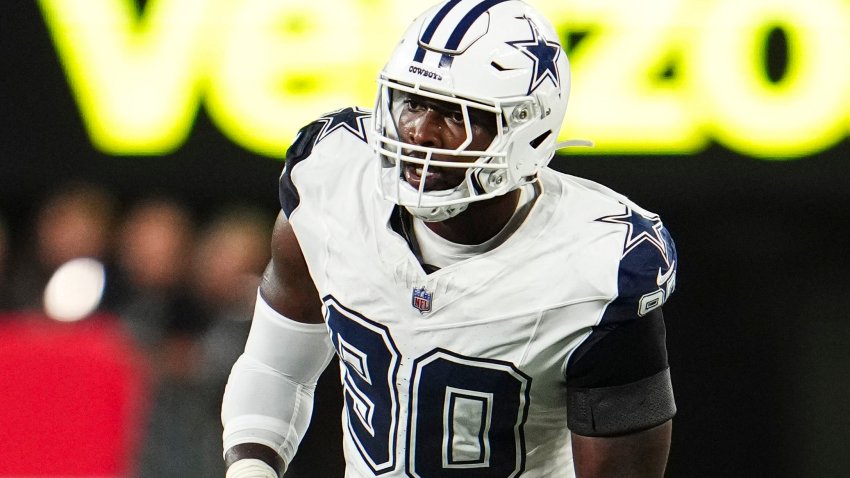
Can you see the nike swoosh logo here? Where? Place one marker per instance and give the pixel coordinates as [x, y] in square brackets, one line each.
[662, 278]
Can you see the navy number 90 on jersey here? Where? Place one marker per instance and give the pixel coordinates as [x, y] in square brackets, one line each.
[464, 415]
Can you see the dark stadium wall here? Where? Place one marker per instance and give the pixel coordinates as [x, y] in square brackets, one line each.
[757, 329]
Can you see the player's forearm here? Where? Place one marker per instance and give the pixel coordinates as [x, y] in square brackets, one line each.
[268, 399]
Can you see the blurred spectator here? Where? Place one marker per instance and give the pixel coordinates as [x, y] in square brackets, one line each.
[229, 261]
[152, 252]
[76, 221]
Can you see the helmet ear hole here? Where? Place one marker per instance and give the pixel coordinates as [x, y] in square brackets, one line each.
[536, 142]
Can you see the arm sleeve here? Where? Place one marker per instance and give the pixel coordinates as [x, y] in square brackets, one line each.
[269, 395]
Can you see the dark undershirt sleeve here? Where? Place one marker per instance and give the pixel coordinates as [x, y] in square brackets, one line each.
[618, 380]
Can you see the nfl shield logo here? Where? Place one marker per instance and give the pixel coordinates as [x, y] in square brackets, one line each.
[421, 300]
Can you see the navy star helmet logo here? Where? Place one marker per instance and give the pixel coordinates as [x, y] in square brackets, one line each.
[543, 53]
[640, 229]
[350, 119]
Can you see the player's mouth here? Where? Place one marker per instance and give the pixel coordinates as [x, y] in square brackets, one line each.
[435, 178]
[414, 174]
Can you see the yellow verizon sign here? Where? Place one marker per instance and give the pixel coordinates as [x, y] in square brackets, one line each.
[264, 68]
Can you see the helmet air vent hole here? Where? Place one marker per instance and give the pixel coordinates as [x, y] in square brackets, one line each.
[536, 142]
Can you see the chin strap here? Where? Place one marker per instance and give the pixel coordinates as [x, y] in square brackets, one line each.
[573, 142]
[437, 213]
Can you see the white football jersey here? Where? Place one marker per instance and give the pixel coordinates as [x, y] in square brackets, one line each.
[462, 372]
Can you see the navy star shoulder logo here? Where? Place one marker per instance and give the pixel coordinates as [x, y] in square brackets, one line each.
[543, 53]
[640, 229]
[350, 119]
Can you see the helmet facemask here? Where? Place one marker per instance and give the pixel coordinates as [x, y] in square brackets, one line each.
[486, 171]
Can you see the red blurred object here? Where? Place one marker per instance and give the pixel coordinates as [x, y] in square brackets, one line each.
[72, 397]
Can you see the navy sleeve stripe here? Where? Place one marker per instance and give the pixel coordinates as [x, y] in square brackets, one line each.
[300, 149]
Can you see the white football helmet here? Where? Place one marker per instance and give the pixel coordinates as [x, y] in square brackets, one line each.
[499, 56]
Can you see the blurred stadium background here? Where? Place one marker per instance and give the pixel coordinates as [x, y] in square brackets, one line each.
[148, 136]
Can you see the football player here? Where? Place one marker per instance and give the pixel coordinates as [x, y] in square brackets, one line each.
[492, 317]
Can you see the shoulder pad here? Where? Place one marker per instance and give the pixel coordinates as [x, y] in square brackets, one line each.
[351, 120]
